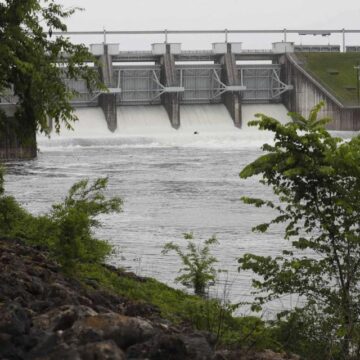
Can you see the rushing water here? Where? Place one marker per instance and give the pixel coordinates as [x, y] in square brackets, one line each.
[171, 182]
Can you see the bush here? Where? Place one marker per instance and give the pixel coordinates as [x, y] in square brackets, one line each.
[68, 230]
[198, 271]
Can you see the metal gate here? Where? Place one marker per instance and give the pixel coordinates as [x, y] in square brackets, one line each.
[262, 83]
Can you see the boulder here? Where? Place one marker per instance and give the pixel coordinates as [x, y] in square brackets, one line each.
[62, 318]
[172, 347]
[123, 330]
[105, 350]
[14, 319]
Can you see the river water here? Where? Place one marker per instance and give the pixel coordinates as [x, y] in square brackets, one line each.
[171, 182]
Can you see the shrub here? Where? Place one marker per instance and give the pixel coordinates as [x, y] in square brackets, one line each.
[198, 271]
[68, 230]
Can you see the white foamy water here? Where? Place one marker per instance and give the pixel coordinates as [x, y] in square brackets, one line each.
[91, 124]
[206, 119]
[149, 126]
[143, 120]
[171, 182]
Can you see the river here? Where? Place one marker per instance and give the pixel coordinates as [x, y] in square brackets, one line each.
[171, 182]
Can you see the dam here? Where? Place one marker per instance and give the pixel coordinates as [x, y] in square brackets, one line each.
[169, 81]
[169, 76]
[174, 78]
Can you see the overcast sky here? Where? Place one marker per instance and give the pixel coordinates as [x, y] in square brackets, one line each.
[211, 14]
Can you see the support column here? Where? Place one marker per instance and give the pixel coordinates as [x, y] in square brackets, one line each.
[230, 77]
[170, 100]
[107, 101]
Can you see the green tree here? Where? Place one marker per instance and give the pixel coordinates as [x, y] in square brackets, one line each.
[316, 178]
[198, 271]
[34, 64]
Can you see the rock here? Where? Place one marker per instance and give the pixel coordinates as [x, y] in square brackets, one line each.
[34, 286]
[163, 347]
[62, 318]
[8, 349]
[105, 350]
[14, 319]
[141, 309]
[61, 294]
[62, 352]
[197, 346]
[48, 343]
[124, 330]
[102, 300]
[172, 347]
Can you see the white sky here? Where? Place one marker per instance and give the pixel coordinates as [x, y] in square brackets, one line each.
[211, 14]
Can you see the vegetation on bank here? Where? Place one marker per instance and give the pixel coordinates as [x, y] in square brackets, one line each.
[335, 71]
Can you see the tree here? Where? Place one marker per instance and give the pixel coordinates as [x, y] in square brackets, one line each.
[198, 271]
[34, 65]
[316, 178]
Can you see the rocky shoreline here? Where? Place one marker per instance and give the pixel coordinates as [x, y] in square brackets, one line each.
[46, 315]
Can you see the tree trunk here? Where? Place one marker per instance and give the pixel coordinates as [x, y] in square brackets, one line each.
[15, 144]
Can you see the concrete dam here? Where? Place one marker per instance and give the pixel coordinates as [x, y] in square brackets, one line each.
[176, 79]
[168, 81]
[227, 74]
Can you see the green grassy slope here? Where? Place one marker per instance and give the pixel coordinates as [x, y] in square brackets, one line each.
[335, 71]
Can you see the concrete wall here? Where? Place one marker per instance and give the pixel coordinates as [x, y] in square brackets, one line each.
[230, 77]
[108, 104]
[170, 100]
[307, 93]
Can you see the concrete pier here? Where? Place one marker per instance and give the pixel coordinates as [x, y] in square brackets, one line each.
[230, 77]
[170, 100]
[107, 101]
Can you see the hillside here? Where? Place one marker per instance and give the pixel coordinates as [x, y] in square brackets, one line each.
[47, 315]
[335, 71]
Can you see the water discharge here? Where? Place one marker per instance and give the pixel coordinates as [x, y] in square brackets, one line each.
[172, 181]
[201, 126]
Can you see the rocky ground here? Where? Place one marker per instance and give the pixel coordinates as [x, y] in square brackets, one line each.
[44, 315]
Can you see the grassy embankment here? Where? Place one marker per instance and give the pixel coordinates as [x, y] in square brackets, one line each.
[335, 71]
[182, 308]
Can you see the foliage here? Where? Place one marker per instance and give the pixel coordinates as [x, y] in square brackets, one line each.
[307, 332]
[198, 271]
[12, 215]
[67, 231]
[316, 178]
[34, 64]
[75, 219]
